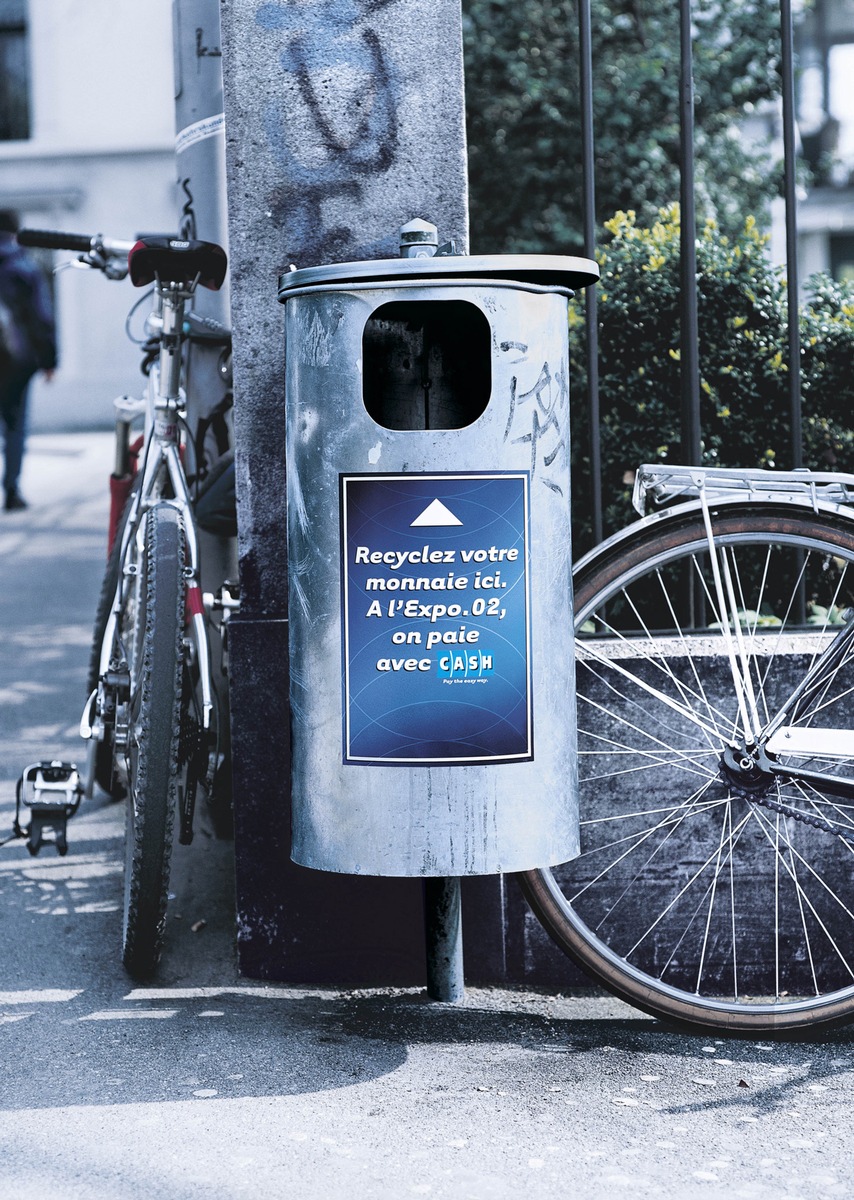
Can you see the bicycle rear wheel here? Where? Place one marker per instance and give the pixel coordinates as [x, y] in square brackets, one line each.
[152, 628]
[692, 898]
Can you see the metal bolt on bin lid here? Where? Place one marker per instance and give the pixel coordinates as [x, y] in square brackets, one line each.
[418, 239]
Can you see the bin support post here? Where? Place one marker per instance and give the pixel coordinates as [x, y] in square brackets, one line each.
[443, 928]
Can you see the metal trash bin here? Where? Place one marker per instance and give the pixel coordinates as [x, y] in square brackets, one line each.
[430, 604]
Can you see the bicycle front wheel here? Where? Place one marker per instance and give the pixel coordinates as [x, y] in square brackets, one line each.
[152, 627]
[695, 898]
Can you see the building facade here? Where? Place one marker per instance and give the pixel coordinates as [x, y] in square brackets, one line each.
[87, 145]
[826, 122]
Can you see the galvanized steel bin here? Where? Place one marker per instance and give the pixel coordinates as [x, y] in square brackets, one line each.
[431, 648]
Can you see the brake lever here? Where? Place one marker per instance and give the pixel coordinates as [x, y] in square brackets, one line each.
[113, 268]
[93, 261]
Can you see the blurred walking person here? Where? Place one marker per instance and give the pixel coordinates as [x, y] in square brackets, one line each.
[27, 345]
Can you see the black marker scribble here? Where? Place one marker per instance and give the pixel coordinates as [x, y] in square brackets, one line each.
[188, 213]
[203, 51]
[545, 434]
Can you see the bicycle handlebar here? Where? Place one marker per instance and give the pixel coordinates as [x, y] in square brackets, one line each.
[50, 239]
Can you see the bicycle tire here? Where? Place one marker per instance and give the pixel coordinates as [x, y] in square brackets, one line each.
[699, 905]
[153, 623]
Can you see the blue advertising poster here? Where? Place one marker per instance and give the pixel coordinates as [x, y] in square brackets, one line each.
[436, 618]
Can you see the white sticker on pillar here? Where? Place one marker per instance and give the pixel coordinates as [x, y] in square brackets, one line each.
[436, 618]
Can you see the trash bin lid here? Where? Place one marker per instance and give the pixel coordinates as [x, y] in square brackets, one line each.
[544, 270]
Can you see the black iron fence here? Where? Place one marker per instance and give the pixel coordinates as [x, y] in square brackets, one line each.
[691, 430]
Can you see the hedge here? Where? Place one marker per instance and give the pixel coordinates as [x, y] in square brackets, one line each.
[743, 351]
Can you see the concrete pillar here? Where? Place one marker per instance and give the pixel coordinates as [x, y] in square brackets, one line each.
[200, 165]
[344, 120]
[200, 159]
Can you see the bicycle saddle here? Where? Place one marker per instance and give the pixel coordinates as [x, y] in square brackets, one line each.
[175, 260]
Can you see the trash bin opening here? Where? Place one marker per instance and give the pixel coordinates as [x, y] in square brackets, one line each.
[426, 364]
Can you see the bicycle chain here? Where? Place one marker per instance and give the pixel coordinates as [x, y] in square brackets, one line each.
[796, 815]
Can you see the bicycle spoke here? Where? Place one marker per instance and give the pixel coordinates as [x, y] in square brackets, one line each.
[631, 771]
[732, 910]
[802, 896]
[614, 747]
[814, 801]
[744, 675]
[688, 653]
[757, 608]
[811, 871]
[784, 623]
[642, 837]
[685, 692]
[777, 906]
[644, 812]
[713, 891]
[804, 924]
[698, 909]
[656, 759]
[656, 659]
[696, 810]
[631, 727]
[678, 708]
[680, 894]
[831, 606]
[640, 870]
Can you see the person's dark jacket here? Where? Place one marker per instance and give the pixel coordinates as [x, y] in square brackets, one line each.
[24, 290]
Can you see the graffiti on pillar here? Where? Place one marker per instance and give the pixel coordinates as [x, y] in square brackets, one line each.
[335, 127]
[188, 213]
[202, 49]
[537, 415]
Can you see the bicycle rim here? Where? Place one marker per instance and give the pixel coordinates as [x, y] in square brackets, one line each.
[691, 898]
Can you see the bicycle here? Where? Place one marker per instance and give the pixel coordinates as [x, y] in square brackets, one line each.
[153, 718]
[716, 754]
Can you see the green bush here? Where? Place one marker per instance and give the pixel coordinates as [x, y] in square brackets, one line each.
[743, 333]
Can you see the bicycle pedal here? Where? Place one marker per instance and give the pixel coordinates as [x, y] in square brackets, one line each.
[52, 791]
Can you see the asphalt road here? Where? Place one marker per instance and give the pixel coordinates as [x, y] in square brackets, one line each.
[208, 1084]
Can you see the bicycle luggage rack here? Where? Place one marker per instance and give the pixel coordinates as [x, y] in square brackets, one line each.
[657, 485]
[52, 791]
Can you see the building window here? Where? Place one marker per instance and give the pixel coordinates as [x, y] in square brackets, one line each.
[842, 256]
[14, 71]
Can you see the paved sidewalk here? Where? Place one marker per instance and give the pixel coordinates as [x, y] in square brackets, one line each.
[206, 1084]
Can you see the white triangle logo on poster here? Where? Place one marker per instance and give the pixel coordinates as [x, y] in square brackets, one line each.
[436, 514]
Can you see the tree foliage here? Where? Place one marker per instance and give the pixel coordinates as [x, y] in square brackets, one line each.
[744, 367]
[524, 119]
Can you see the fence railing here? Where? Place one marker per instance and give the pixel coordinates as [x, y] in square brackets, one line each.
[691, 429]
